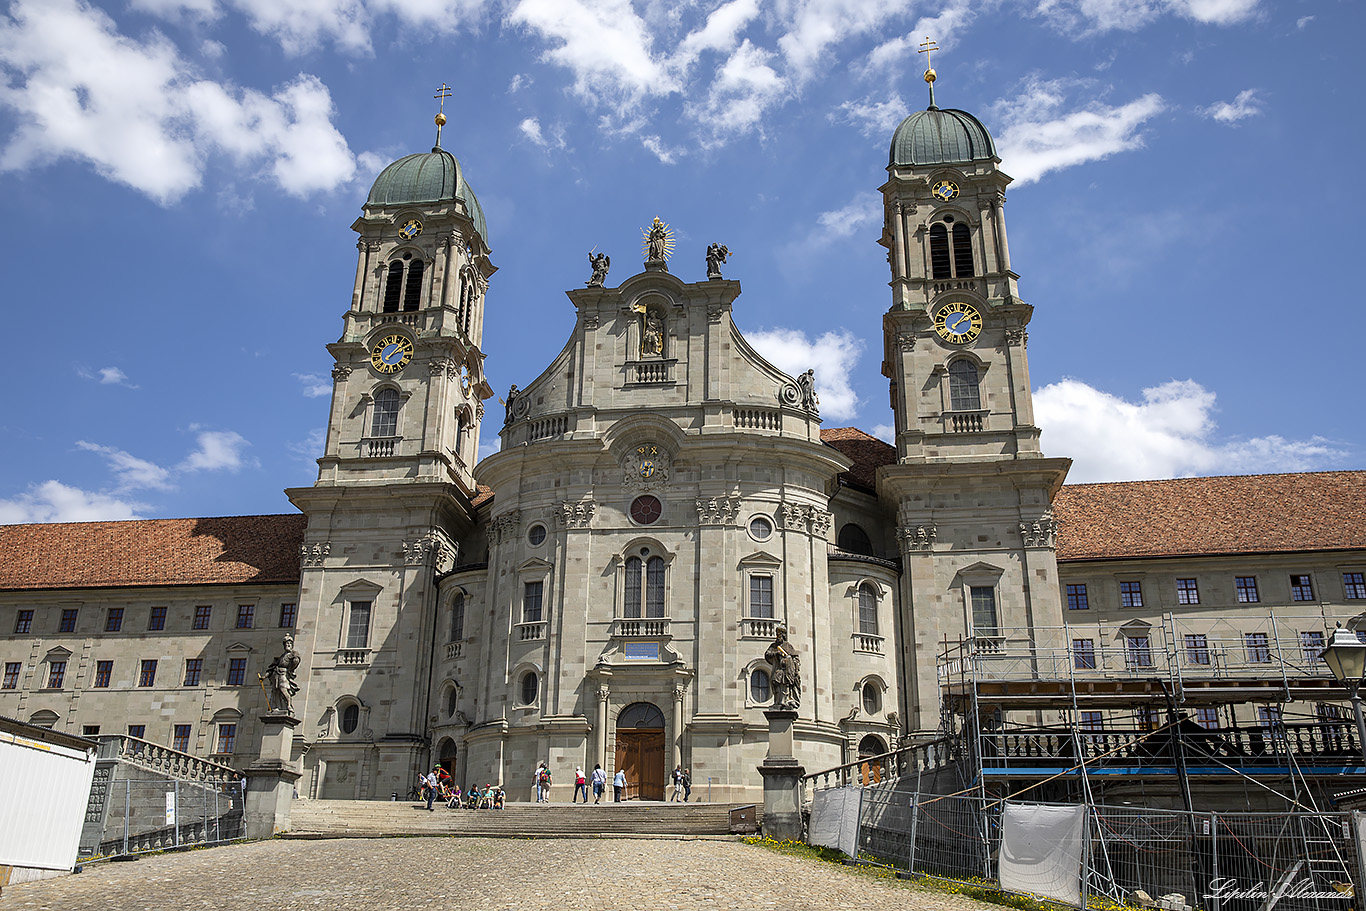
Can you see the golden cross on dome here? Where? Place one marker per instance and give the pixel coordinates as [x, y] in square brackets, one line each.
[926, 47]
[442, 94]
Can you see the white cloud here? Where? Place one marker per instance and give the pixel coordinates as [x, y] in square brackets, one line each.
[744, 88]
[106, 376]
[301, 25]
[310, 447]
[871, 116]
[1170, 433]
[176, 9]
[137, 112]
[656, 147]
[53, 501]
[218, 449]
[519, 82]
[864, 210]
[131, 472]
[531, 129]
[1038, 136]
[832, 356]
[1244, 106]
[315, 386]
[1090, 16]
[885, 432]
[1303, 21]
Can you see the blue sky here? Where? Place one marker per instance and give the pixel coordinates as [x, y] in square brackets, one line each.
[180, 176]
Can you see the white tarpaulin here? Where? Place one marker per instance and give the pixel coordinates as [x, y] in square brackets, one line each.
[44, 787]
[835, 819]
[1041, 850]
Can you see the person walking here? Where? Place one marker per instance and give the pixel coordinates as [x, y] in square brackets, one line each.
[537, 782]
[618, 785]
[599, 783]
[580, 785]
[433, 783]
[677, 777]
[687, 784]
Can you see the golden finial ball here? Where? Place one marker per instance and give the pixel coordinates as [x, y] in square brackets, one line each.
[930, 76]
[440, 120]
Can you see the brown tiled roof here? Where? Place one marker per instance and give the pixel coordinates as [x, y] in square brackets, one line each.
[1323, 510]
[228, 550]
[868, 452]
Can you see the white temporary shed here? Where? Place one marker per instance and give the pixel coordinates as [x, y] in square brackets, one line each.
[44, 787]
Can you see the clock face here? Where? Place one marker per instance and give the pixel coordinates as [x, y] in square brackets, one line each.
[958, 323]
[391, 353]
[945, 190]
[646, 510]
[411, 228]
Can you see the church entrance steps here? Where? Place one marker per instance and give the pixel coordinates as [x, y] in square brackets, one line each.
[376, 818]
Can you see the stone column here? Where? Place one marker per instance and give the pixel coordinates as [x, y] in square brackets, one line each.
[782, 779]
[678, 727]
[270, 780]
[604, 696]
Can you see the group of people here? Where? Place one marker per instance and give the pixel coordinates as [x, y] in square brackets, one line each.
[438, 785]
[682, 779]
[541, 781]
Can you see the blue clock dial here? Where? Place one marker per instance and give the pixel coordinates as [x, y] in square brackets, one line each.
[958, 323]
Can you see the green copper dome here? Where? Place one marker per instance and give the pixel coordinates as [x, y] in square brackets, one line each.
[427, 177]
[933, 136]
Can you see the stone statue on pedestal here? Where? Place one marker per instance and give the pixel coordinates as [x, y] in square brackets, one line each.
[786, 676]
[280, 681]
[716, 255]
[600, 263]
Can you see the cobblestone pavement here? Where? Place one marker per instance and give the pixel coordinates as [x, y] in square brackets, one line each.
[477, 873]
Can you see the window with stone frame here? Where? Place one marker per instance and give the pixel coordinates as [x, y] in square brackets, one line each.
[203, 616]
[11, 681]
[104, 670]
[530, 687]
[180, 738]
[1187, 592]
[384, 413]
[964, 391]
[246, 616]
[289, 615]
[193, 668]
[1076, 597]
[1311, 644]
[458, 617]
[941, 262]
[403, 284]
[867, 610]
[227, 738]
[644, 587]
[56, 674]
[1208, 718]
[962, 251]
[237, 671]
[68, 623]
[358, 625]
[137, 730]
[872, 697]
[148, 674]
[1138, 651]
[113, 620]
[533, 595]
[1246, 587]
[760, 606]
[1197, 648]
[1131, 594]
[1257, 648]
[1084, 654]
[23, 622]
[984, 620]
[156, 618]
[760, 687]
[1301, 588]
[1354, 586]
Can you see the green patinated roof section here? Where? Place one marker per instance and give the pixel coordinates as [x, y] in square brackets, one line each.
[427, 177]
[940, 137]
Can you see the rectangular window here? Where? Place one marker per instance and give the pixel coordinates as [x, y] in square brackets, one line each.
[1186, 592]
[56, 673]
[148, 675]
[1301, 588]
[90, 730]
[1197, 649]
[1247, 589]
[24, 622]
[193, 667]
[181, 740]
[68, 621]
[137, 730]
[1084, 654]
[1207, 718]
[867, 610]
[103, 671]
[1268, 715]
[227, 737]
[1092, 721]
[203, 615]
[1311, 642]
[1076, 598]
[12, 669]
[654, 587]
[237, 671]
[1354, 586]
[113, 621]
[1146, 716]
[246, 616]
[1257, 648]
[1138, 651]
[761, 597]
[157, 619]
[1131, 594]
[984, 610]
[289, 613]
[358, 625]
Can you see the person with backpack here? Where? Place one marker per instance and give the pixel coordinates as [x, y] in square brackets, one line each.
[542, 784]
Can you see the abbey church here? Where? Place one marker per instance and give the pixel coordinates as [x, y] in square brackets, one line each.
[603, 588]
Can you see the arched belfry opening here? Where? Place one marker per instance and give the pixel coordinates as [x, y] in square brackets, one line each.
[640, 751]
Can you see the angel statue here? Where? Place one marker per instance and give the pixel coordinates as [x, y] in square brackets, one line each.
[716, 255]
[600, 263]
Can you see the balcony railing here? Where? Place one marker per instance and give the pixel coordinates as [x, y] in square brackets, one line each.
[650, 373]
[543, 428]
[353, 657]
[757, 419]
[649, 627]
[169, 762]
[379, 447]
[759, 627]
[454, 650]
[965, 422]
[530, 632]
[864, 642]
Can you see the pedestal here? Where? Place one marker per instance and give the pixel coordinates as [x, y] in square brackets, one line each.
[782, 776]
[270, 780]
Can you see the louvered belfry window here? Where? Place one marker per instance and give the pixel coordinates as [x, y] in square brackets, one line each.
[962, 251]
[412, 288]
[940, 264]
[393, 287]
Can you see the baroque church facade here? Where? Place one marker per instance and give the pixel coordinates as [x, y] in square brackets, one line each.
[602, 589]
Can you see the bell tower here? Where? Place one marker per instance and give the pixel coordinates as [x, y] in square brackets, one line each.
[392, 506]
[971, 488]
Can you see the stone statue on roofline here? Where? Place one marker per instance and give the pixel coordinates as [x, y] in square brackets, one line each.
[716, 256]
[600, 263]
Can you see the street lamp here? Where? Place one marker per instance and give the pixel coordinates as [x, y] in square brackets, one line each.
[1346, 658]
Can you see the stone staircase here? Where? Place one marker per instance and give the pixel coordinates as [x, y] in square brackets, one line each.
[378, 819]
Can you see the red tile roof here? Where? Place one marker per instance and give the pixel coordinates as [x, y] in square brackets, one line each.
[1323, 510]
[228, 550]
[868, 453]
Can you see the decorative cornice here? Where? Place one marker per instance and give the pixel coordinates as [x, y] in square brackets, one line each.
[917, 537]
[800, 517]
[574, 513]
[314, 554]
[504, 527]
[431, 549]
[717, 510]
[1042, 532]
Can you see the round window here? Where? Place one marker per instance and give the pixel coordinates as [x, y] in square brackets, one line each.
[350, 718]
[646, 510]
[536, 535]
[760, 528]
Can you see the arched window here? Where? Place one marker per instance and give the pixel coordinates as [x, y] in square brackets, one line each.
[458, 618]
[531, 685]
[871, 745]
[633, 574]
[650, 572]
[385, 423]
[641, 715]
[854, 540]
[962, 250]
[350, 718]
[393, 287]
[654, 587]
[412, 288]
[867, 609]
[403, 284]
[963, 392]
[872, 698]
[940, 264]
[760, 689]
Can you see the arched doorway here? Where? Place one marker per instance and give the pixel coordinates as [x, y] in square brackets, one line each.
[640, 751]
[870, 770]
[445, 752]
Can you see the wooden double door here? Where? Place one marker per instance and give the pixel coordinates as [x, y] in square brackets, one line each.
[640, 754]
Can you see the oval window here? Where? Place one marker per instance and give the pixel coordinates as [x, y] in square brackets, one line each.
[530, 686]
[872, 698]
[760, 689]
[350, 719]
[760, 528]
[646, 510]
[536, 535]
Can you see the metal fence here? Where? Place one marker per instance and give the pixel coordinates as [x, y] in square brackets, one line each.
[1217, 861]
[138, 816]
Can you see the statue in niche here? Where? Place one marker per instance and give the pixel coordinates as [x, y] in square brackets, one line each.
[652, 339]
[807, 384]
[279, 680]
[786, 674]
[716, 256]
[600, 263]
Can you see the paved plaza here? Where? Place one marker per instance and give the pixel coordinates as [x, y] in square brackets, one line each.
[477, 873]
